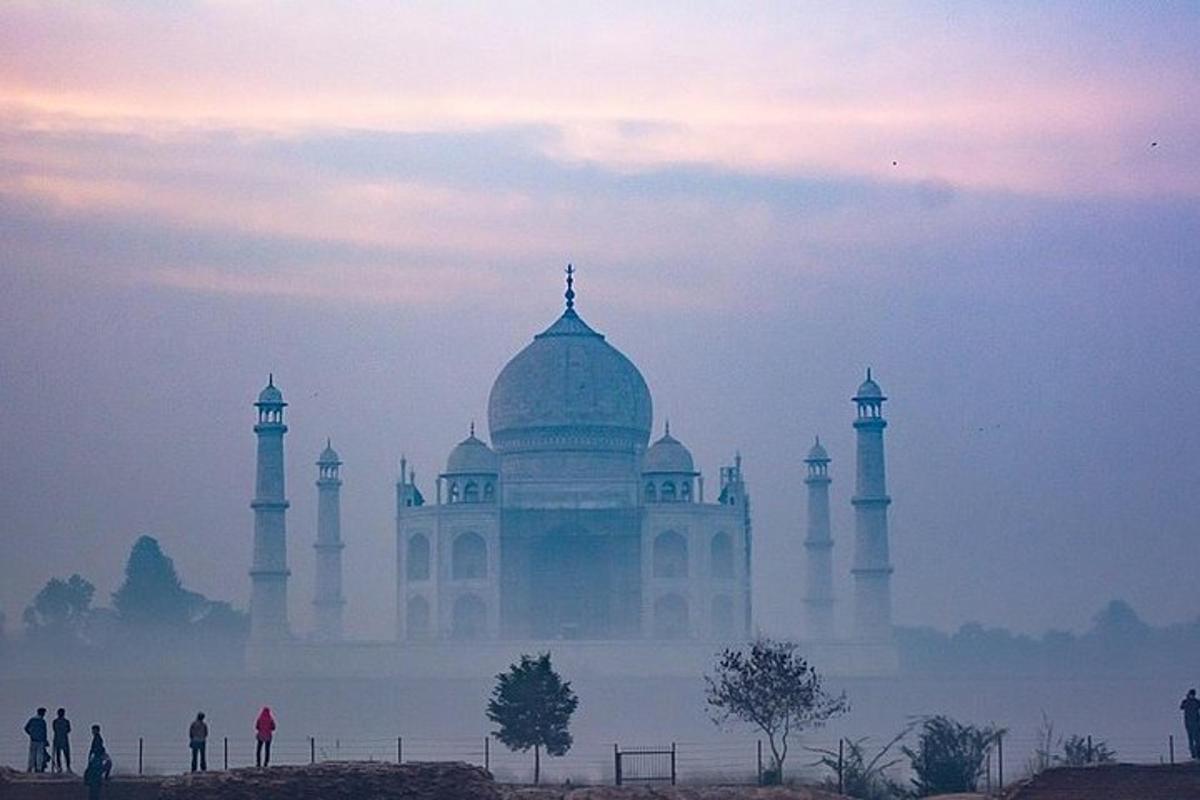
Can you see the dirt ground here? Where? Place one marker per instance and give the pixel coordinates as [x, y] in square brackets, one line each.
[367, 781]
[660, 792]
[1112, 782]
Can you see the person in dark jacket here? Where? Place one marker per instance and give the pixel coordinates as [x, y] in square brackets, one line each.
[62, 740]
[35, 728]
[1191, 721]
[94, 775]
[198, 740]
[97, 749]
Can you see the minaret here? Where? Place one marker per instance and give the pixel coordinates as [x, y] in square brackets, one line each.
[269, 574]
[327, 595]
[818, 549]
[872, 570]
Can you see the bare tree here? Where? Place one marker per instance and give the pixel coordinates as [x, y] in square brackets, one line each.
[772, 688]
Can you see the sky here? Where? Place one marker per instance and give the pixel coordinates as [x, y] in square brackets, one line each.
[994, 205]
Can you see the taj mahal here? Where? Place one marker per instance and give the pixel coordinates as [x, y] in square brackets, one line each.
[567, 529]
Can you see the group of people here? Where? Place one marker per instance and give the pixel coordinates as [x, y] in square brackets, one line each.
[99, 764]
[264, 732]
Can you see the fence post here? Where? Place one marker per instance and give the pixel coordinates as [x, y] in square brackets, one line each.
[141, 747]
[487, 753]
[672, 763]
[226, 753]
[760, 775]
[841, 768]
[1090, 751]
[312, 750]
[399, 749]
[617, 763]
[1171, 746]
[1000, 761]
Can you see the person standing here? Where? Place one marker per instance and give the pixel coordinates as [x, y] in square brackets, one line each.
[97, 766]
[198, 739]
[97, 750]
[264, 731]
[1191, 721]
[35, 728]
[62, 740]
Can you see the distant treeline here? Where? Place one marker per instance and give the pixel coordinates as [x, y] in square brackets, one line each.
[153, 624]
[1119, 643]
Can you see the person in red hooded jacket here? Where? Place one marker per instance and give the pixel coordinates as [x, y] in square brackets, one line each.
[264, 729]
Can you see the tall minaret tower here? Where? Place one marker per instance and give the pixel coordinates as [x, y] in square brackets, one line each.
[872, 569]
[327, 596]
[269, 574]
[818, 548]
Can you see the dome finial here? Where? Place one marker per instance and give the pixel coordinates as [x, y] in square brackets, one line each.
[868, 373]
[667, 430]
[270, 379]
[472, 429]
[329, 441]
[570, 293]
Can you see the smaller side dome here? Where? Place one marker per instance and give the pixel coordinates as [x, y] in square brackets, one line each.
[270, 395]
[817, 453]
[472, 456]
[668, 454]
[329, 455]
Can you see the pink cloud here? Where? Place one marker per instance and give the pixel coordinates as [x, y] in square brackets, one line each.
[843, 97]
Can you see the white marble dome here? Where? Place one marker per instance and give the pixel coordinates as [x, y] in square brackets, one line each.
[668, 454]
[569, 389]
[472, 456]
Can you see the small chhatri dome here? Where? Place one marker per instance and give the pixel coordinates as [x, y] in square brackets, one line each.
[817, 453]
[329, 455]
[472, 456]
[270, 395]
[869, 389]
[668, 454]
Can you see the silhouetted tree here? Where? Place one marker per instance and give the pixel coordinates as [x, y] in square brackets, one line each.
[60, 611]
[1077, 752]
[533, 707]
[773, 689]
[152, 595]
[949, 756]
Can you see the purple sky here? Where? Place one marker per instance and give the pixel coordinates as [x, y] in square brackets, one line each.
[995, 206]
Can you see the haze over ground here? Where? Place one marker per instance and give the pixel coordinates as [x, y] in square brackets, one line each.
[995, 207]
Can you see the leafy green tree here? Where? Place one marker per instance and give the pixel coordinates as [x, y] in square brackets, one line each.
[773, 689]
[949, 756]
[60, 611]
[533, 706]
[152, 595]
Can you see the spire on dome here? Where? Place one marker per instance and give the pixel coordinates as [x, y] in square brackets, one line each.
[570, 293]
[472, 429]
[667, 430]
